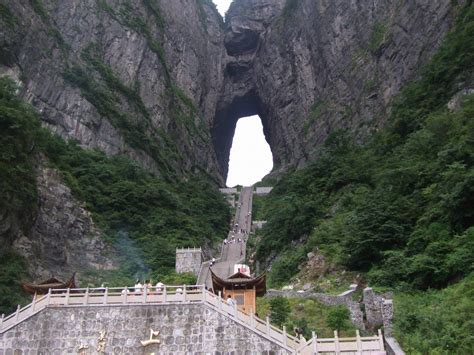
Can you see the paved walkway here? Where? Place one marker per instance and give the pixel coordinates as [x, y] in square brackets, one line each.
[232, 252]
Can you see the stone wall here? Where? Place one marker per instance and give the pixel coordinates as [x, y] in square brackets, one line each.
[184, 328]
[378, 310]
[387, 317]
[330, 300]
[345, 298]
[188, 260]
[263, 190]
[228, 190]
[373, 308]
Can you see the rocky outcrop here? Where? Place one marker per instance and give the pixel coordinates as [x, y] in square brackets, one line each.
[132, 77]
[165, 82]
[63, 238]
[309, 68]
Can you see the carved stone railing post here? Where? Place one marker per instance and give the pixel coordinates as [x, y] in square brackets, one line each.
[68, 291]
[336, 342]
[17, 313]
[315, 342]
[359, 342]
[33, 304]
[381, 344]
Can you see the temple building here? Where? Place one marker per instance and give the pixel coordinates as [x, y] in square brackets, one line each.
[243, 288]
[42, 288]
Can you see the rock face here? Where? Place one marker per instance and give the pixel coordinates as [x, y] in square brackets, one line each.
[165, 82]
[128, 77]
[175, 79]
[116, 74]
[311, 67]
[64, 238]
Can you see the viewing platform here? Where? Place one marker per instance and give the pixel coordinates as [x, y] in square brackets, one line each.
[188, 319]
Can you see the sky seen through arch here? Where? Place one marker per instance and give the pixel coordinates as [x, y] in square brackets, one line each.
[250, 156]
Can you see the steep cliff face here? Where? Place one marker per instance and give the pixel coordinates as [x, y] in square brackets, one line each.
[164, 82]
[246, 24]
[63, 238]
[309, 67]
[138, 78]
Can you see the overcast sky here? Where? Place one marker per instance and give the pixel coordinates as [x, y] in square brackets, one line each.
[250, 156]
[222, 5]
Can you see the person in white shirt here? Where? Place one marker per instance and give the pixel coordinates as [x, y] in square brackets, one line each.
[138, 287]
[230, 301]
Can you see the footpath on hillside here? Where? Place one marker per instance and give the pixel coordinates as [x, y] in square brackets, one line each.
[233, 248]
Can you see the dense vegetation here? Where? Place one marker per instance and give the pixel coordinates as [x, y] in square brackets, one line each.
[437, 322]
[306, 316]
[19, 130]
[143, 216]
[404, 195]
[399, 208]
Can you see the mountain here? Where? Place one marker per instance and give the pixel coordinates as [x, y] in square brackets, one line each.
[142, 99]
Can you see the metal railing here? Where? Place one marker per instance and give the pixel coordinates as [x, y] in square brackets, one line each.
[186, 294]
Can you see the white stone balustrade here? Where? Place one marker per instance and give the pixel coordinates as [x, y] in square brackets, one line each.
[186, 294]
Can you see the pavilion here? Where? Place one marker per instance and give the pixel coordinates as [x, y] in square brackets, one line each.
[243, 288]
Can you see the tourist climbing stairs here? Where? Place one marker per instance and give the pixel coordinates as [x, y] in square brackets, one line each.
[232, 251]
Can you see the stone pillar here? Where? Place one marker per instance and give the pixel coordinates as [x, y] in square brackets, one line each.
[188, 260]
[387, 316]
[357, 317]
[372, 309]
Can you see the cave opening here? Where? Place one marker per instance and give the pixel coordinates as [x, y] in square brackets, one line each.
[250, 156]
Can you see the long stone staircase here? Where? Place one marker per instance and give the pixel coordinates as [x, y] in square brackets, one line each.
[231, 253]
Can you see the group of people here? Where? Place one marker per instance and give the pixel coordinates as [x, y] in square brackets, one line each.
[145, 286]
[233, 240]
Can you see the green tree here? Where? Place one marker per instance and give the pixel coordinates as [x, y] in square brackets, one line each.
[279, 310]
[338, 318]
